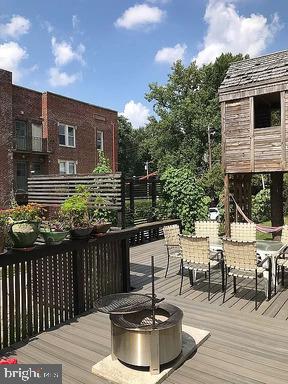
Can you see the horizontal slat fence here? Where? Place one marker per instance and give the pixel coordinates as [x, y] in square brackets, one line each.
[51, 190]
[52, 284]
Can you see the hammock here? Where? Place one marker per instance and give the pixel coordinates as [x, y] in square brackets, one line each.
[259, 227]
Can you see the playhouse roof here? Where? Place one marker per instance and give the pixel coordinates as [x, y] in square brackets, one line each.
[272, 68]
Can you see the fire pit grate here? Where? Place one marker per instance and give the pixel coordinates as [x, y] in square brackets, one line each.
[123, 303]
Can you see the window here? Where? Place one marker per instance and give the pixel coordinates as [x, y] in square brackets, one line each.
[37, 135]
[267, 110]
[67, 167]
[21, 176]
[21, 135]
[66, 135]
[100, 141]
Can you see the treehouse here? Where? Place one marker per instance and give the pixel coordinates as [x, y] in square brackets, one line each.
[254, 111]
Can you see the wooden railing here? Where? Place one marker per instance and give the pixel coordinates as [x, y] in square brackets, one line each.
[52, 284]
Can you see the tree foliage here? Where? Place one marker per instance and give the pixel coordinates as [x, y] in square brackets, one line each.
[185, 106]
[184, 197]
[133, 151]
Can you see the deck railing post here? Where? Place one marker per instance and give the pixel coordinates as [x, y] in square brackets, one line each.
[125, 251]
[78, 282]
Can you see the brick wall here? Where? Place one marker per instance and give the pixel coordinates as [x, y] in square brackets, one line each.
[6, 155]
[87, 119]
[18, 103]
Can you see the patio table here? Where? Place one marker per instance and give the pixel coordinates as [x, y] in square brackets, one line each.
[265, 248]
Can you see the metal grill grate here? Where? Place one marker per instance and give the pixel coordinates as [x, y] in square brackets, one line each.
[123, 303]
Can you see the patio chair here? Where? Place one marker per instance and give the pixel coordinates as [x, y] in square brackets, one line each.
[240, 258]
[243, 231]
[281, 261]
[207, 229]
[171, 237]
[196, 253]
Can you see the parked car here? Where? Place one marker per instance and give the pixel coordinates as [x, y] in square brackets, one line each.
[214, 214]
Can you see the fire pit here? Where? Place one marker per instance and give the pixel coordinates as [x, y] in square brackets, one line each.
[144, 331]
[136, 341]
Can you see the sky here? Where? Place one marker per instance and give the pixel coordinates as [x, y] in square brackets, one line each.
[106, 52]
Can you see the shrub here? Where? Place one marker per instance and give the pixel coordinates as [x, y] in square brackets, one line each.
[103, 165]
[184, 197]
[261, 206]
[75, 209]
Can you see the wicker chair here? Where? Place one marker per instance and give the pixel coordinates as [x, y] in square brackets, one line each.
[281, 261]
[196, 253]
[171, 237]
[240, 260]
[207, 229]
[243, 231]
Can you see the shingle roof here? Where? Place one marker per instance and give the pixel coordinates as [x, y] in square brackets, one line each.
[249, 72]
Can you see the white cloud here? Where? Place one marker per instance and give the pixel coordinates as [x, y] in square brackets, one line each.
[137, 113]
[140, 15]
[64, 53]
[159, 1]
[75, 21]
[17, 26]
[171, 54]
[47, 25]
[61, 79]
[228, 31]
[11, 56]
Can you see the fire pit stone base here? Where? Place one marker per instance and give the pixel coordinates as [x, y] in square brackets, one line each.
[116, 372]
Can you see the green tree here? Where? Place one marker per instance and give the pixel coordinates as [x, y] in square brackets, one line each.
[185, 106]
[133, 148]
[184, 197]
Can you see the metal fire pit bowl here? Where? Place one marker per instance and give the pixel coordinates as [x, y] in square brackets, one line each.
[137, 341]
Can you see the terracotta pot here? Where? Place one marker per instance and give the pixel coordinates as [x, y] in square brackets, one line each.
[24, 233]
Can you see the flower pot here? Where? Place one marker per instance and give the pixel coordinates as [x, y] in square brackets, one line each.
[101, 228]
[24, 233]
[53, 238]
[81, 233]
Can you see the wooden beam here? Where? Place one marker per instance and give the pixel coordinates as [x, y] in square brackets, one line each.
[276, 193]
[283, 130]
[223, 135]
[252, 141]
[226, 205]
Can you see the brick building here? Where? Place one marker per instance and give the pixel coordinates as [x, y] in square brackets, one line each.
[45, 133]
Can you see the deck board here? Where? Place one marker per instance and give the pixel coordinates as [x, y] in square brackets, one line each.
[244, 347]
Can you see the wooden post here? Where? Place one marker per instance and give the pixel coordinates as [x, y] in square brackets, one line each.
[78, 282]
[226, 205]
[125, 250]
[132, 198]
[276, 193]
[121, 214]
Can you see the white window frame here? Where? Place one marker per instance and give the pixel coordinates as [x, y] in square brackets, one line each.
[67, 162]
[102, 140]
[66, 126]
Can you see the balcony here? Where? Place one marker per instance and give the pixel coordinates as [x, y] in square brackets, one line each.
[30, 144]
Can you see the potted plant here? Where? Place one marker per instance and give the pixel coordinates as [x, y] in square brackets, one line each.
[3, 231]
[75, 209]
[53, 232]
[24, 222]
[100, 216]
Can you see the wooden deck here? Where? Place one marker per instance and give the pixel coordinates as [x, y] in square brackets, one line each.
[243, 301]
[244, 347]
